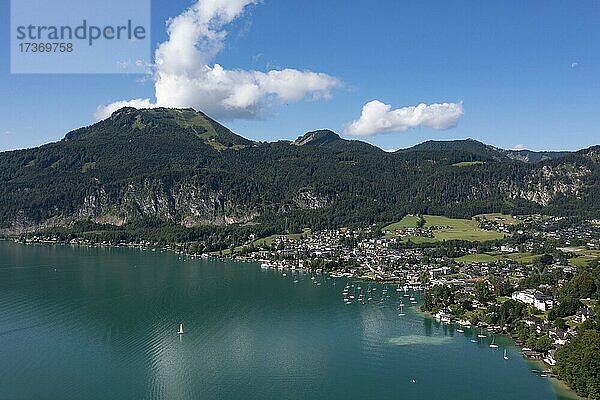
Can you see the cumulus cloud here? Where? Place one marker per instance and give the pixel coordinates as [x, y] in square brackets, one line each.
[185, 74]
[519, 147]
[377, 117]
[105, 111]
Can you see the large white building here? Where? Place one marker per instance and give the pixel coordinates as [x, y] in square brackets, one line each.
[535, 298]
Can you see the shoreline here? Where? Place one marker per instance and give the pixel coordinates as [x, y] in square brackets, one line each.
[560, 387]
[173, 248]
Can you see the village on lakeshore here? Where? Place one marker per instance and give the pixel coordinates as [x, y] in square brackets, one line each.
[505, 274]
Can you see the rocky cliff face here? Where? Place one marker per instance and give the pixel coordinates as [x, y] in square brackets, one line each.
[181, 168]
[187, 204]
[546, 184]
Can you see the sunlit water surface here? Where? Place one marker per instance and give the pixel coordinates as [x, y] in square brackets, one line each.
[101, 323]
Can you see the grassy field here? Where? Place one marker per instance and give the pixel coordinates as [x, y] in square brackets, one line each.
[474, 258]
[467, 164]
[459, 229]
[266, 241]
[585, 257]
[409, 221]
[444, 228]
[521, 258]
[269, 239]
[502, 219]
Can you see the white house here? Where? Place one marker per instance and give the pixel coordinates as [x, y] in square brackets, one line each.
[535, 298]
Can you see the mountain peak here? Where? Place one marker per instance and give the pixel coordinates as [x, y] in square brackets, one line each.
[317, 138]
[129, 121]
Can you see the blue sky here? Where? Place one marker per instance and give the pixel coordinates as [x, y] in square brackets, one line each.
[527, 73]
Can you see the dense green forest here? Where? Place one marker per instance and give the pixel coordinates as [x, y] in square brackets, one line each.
[578, 362]
[170, 173]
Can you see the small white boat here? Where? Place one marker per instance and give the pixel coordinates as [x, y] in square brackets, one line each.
[460, 331]
[505, 356]
[180, 332]
[493, 345]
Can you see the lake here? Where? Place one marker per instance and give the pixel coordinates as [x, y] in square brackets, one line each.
[101, 323]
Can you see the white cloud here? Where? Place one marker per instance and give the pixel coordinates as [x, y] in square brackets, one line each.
[105, 111]
[377, 117]
[519, 146]
[185, 74]
[574, 64]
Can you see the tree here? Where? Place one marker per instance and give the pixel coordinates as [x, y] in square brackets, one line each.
[483, 292]
[560, 323]
[543, 344]
[568, 306]
[578, 363]
[546, 259]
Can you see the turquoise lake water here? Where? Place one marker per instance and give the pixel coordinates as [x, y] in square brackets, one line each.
[101, 323]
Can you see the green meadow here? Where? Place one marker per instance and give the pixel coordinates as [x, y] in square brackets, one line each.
[521, 258]
[444, 228]
[502, 219]
[467, 164]
[266, 241]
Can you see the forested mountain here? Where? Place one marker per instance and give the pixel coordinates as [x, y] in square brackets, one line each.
[485, 151]
[179, 168]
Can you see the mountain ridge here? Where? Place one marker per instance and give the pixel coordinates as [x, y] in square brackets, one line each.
[181, 168]
[316, 137]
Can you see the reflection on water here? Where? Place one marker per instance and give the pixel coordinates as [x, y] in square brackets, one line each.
[412, 340]
[428, 325]
[102, 323]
